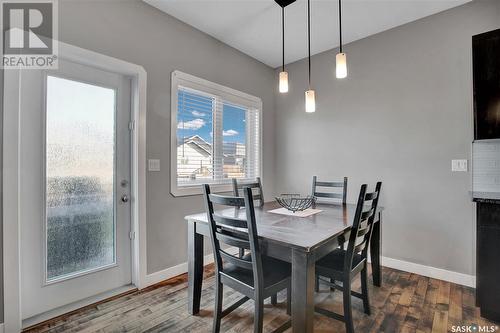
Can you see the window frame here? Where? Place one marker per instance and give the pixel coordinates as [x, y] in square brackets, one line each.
[225, 93]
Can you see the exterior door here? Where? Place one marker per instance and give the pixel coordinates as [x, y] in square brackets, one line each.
[75, 185]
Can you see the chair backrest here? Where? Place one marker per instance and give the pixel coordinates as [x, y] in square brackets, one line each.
[331, 195]
[222, 231]
[362, 225]
[257, 184]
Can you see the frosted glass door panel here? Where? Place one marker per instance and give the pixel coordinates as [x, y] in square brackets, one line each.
[80, 178]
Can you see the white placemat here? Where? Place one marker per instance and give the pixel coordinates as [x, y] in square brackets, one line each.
[304, 213]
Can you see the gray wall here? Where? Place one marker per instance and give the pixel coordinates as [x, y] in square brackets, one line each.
[135, 32]
[401, 116]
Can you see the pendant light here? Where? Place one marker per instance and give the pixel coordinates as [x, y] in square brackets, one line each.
[283, 85]
[283, 76]
[341, 59]
[310, 94]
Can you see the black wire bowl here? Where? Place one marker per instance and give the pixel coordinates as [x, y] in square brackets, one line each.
[295, 203]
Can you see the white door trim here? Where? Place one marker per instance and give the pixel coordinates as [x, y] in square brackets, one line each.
[11, 175]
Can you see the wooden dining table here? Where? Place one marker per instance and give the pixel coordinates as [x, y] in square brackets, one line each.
[300, 241]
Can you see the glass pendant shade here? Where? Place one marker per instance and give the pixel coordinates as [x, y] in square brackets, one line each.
[283, 82]
[341, 68]
[310, 101]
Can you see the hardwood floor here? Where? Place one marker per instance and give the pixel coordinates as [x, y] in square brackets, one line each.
[405, 303]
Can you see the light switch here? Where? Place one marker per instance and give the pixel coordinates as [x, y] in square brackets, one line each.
[153, 165]
[459, 165]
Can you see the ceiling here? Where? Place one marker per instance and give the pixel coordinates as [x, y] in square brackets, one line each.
[254, 26]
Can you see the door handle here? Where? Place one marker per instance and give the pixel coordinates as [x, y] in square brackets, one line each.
[125, 198]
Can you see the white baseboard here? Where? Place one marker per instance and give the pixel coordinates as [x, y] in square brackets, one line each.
[171, 272]
[433, 272]
[1, 328]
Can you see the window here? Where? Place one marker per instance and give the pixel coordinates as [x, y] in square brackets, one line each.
[216, 135]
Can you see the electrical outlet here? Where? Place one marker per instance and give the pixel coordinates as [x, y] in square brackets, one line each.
[459, 165]
[153, 165]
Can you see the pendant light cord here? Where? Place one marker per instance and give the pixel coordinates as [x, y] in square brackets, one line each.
[340, 24]
[283, 35]
[309, 37]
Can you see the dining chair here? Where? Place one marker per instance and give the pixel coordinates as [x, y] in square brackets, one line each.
[257, 184]
[331, 194]
[344, 265]
[335, 195]
[256, 276]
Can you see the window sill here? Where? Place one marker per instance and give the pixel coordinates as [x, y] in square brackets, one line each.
[184, 191]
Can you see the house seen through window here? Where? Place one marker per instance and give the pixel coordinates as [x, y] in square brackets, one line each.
[217, 139]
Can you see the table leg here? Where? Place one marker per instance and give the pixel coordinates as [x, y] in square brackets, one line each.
[195, 268]
[375, 246]
[303, 274]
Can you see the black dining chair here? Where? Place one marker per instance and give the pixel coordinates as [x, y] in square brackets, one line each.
[257, 185]
[338, 192]
[344, 265]
[342, 195]
[258, 194]
[256, 276]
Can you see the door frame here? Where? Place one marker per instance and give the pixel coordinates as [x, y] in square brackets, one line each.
[11, 174]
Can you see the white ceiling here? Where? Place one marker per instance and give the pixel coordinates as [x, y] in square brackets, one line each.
[254, 26]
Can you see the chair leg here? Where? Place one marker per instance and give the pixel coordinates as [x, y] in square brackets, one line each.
[289, 300]
[349, 326]
[218, 307]
[259, 316]
[364, 290]
[242, 252]
[274, 299]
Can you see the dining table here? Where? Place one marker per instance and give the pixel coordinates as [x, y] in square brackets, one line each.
[301, 241]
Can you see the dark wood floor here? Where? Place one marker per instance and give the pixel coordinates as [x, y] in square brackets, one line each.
[405, 303]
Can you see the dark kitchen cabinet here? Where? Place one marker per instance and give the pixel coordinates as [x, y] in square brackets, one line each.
[486, 68]
[488, 258]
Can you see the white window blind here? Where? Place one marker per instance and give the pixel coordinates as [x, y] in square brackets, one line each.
[216, 135]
